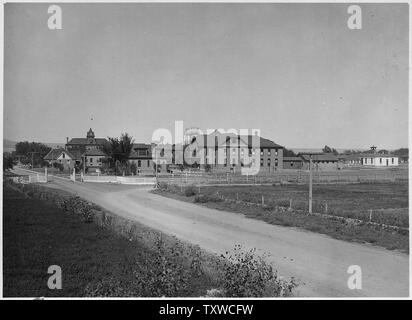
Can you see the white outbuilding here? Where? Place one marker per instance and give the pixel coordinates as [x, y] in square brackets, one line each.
[379, 160]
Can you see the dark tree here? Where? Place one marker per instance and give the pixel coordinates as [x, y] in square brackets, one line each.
[31, 151]
[8, 161]
[289, 153]
[118, 150]
[328, 149]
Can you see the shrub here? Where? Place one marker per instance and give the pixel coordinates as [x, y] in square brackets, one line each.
[58, 166]
[133, 168]
[246, 274]
[166, 275]
[203, 198]
[190, 191]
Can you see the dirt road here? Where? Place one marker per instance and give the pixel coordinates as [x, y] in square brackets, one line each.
[320, 263]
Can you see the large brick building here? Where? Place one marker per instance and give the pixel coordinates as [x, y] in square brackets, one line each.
[230, 152]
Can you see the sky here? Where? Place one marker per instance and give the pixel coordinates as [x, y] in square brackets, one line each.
[294, 71]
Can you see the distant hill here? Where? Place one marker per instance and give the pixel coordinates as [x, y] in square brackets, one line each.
[10, 145]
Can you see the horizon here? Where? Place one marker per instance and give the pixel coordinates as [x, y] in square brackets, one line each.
[295, 149]
[138, 67]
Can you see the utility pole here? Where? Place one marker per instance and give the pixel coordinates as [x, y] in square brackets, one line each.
[32, 159]
[156, 168]
[310, 184]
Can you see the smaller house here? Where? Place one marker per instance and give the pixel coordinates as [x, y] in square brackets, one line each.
[141, 155]
[320, 161]
[61, 156]
[292, 163]
[93, 159]
[379, 160]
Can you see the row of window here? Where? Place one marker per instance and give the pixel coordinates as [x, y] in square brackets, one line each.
[380, 160]
[139, 163]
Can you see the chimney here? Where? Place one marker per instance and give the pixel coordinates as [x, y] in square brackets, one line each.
[67, 141]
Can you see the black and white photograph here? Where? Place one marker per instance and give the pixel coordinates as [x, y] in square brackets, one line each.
[205, 150]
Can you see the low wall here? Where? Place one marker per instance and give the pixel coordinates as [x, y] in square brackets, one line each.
[121, 180]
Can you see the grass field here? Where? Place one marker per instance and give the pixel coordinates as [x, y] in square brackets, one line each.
[93, 260]
[97, 261]
[388, 202]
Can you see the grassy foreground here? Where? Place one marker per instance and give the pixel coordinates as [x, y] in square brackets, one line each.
[94, 261]
[97, 262]
[348, 201]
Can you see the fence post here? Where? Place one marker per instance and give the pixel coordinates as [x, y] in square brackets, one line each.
[263, 200]
[290, 204]
[237, 196]
[326, 207]
[227, 177]
[199, 189]
[370, 215]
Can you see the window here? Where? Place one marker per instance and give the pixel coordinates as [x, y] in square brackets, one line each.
[269, 152]
[261, 162]
[393, 160]
[64, 155]
[194, 153]
[371, 160]
[162, 152]
[225, 164]
[91, 160]
[380, 160]
[277, 163]
[148, 163]
[139, 163]
[276, 152]
[261, 152]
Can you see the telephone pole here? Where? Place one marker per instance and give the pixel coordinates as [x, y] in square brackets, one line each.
[310, 184]
[32, 159]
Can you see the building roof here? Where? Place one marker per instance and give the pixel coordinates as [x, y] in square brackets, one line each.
[94, 152]
[266, 143]
[86, 141]
[55, 153]
[319, 157]
[377, 155]
[142, 146]
[209, 140]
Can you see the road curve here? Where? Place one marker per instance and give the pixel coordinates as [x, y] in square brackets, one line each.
[319, 262]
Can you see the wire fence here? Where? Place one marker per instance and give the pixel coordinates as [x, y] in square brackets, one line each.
[297, 177]
[396, 217]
